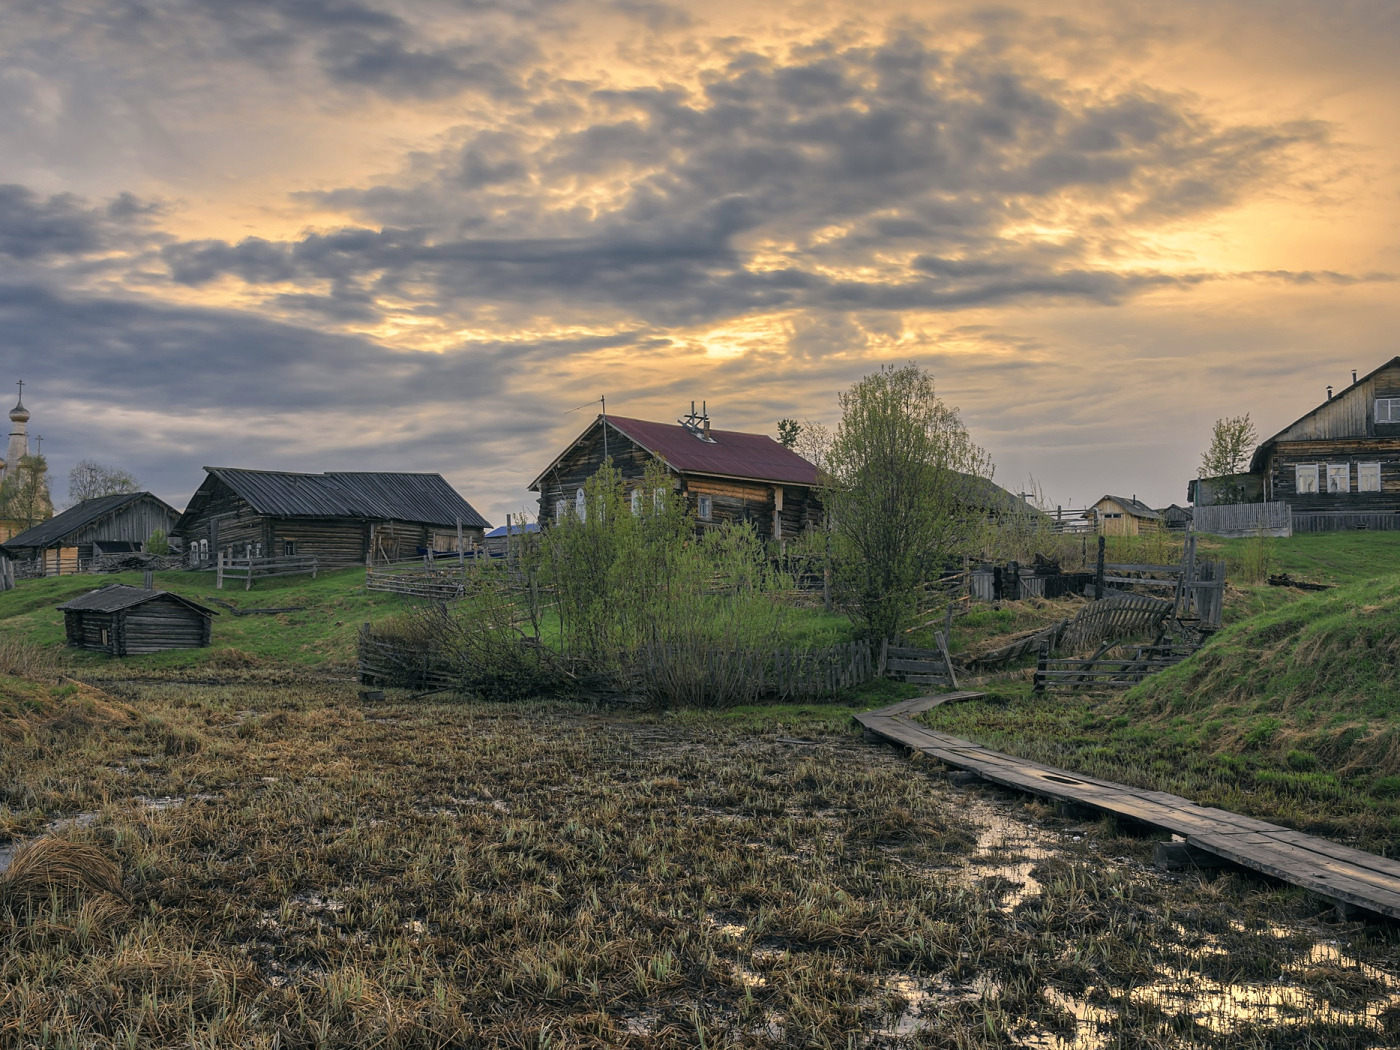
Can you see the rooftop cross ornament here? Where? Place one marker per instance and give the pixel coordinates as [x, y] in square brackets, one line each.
[20, 384]
[38, 444]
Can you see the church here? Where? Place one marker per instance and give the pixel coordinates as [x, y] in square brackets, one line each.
[24, 493]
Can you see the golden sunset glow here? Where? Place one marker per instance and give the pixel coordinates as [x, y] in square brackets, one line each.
[410, 236]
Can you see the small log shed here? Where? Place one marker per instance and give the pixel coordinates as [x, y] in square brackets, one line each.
[127, 621]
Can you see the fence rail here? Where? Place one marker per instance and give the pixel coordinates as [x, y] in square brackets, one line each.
[250, 569]
[1244, 519]
[1106, 672]
[418, 583]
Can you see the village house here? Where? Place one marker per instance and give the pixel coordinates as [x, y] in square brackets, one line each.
[1123, 516]
[340, 518]
[1338, 466]
[67, 542]
[723, 475]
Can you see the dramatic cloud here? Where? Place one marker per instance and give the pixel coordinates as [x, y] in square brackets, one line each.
[387, 233]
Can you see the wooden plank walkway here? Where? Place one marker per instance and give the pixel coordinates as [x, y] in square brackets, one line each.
[1350, 877]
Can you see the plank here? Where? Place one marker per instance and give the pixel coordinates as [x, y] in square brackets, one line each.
[1327, 868]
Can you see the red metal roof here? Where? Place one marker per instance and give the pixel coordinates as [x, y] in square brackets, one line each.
[728, 453]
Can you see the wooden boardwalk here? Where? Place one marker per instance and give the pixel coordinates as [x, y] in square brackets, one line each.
[1352, 878]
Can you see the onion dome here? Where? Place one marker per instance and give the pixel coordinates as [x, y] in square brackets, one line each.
[19, 414]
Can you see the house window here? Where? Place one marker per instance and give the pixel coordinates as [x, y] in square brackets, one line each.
[1112, 514]
[289, 548]
[658, 499]
[1305, 478]
[1388, 410]
[636, 501]
[1368, 477]
[704, 506]
[560, 509]
[581, 505]
[1339, 477]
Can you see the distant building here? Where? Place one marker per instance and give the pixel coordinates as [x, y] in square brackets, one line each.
[26, 491]
[118, 524]
[339, 518]
[1124, 516]
[723, 475]
[125, 621]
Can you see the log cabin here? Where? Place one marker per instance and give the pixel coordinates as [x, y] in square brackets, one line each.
[1338, 466]
[127, 621]
[341, 518]
[723, 475]
[67, 542]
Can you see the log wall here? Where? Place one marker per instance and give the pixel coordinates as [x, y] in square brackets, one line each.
[1281, 475]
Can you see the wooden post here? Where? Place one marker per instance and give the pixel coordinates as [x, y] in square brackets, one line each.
[884, 657]
[508, 523]
[947, 659]
[314, 566]
[148, 580]
[1043, 660]
[1098, 574]
[219, 573]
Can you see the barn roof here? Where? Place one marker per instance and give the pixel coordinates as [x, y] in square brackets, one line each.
[1135, 507]
[80, 516]
[376, 495]
[728, 453]
[117, 596]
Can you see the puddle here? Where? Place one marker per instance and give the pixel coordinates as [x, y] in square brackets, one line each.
[171, 801]
[1007, 850]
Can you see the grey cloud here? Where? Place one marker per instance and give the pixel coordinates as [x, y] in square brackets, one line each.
[35, 228]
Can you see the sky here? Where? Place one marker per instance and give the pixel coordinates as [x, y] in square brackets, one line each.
[375, 235]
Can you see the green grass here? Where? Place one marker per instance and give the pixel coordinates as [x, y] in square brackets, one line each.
[334, 605]
[1292, 713]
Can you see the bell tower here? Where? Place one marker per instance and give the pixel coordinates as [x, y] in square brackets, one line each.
[18, 447]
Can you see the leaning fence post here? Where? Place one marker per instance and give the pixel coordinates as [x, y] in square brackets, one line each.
[1098, 574]
[1042, 663]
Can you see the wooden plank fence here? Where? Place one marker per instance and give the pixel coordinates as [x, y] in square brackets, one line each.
[1117, 616]
[250, 569]
[1245, 519]
[1106, 672]
[439, 585]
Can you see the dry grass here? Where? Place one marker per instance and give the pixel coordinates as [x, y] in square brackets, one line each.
[49, 866]
[307, 872]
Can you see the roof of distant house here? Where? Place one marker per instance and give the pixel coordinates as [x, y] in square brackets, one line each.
[726, 453]
[79, 516]
[515, 530]
[1135, 507]
[117, 596]
[372, 495]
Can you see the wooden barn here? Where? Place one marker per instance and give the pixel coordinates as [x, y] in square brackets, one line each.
[1338, 466]
[1124, 516]
[118, 524]
[338, 518]
[126, 621]
[723, 475]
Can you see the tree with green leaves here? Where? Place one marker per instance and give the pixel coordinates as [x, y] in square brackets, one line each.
[900, 467]
[1231, 442]
[788, 431]
[24, 496]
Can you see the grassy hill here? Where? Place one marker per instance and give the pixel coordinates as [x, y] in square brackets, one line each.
[1291, 713]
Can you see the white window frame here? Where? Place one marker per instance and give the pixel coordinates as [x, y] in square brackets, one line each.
[561, 510]
[637, 501]
[658, 499]
[1306, 470]
[1362, 470]
[581, 505]
[1339, 471]
[704, 507]
[1388, 410]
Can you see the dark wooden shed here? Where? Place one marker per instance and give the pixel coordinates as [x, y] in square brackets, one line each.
[67, 542]
[126, 621]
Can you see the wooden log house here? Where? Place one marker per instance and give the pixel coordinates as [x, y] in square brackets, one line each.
[1338, 466]
[1124, 516]
[117, 524]
[126, 621]
[723, 475]
[338, 518]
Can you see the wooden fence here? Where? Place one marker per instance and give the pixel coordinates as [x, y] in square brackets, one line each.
[443, 585]
[250, 569]
[1101, 671]
[395, 661]
[1339, 522]
[1246, 519]
[7, 574]
[921, 666]
[1117, 616]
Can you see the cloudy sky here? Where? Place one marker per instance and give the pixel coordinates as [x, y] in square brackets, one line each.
[361, 234]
